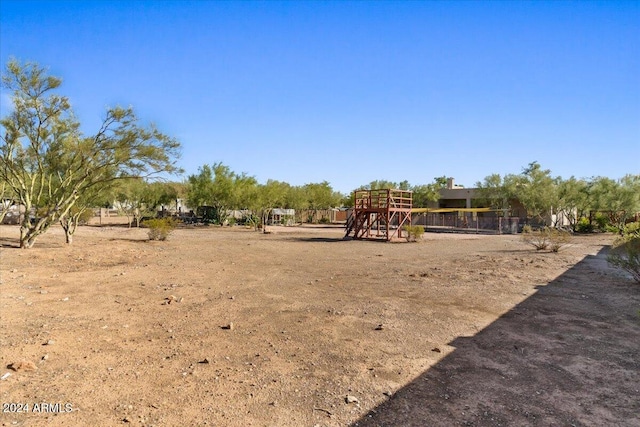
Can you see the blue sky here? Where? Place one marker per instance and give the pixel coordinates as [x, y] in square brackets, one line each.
[350, 92]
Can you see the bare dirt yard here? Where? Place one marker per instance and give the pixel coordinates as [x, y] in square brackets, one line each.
[230, 327]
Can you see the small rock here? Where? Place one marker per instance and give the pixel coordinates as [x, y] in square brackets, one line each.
[351, 399]
[23, 365]
[229, 326]
[379, 327]
[65, 299]
[436, 350]
[49, 342]
[205, 360]
[172, 298]
[388, 393]
[5, 376]
[43, 292]
[45, 357]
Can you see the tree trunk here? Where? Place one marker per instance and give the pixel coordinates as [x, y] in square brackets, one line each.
[67, 226]
[24, 234]
[27, 237]
[4, 206]
[70, 225]
[264, 223]
[29, 233]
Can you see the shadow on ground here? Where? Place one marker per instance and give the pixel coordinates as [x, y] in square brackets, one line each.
[317, 239]
[14, 243]
[569, 355]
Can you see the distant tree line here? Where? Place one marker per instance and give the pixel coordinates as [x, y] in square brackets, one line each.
[59, 174]
[582, 202]
[218, 186]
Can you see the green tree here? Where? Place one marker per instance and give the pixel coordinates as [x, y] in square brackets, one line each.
[165, 194]
[200, 187]
[440, 181]
[47, 162]
[425, 193]
[244, 189]
[381, 184]
[492, 192]
[320, 196]
[619, 198]
[218, 186]
[573, 200]
[536, 189]
[270, 195]
[347, 201]
[82, 210]
[296, 198]
[222, 197]
[135, 199]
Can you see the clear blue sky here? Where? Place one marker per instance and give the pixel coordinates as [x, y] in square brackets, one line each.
[350, 92]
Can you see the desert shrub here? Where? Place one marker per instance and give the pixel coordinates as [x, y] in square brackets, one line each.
[558, 239]
[414, 232]
[547, 238]
[526, 229]
[324, 220]
[160, 228]
[231, 221]
[626, 251]
[584, 226]
[539, 239]
[602, 221]
[632, 230]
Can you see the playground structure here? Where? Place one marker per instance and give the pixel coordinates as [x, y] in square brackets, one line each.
[380, 214]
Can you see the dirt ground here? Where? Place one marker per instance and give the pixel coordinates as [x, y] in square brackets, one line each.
[229, 327]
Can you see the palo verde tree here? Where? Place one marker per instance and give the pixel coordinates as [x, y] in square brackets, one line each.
[46, 161]
[537, 191]
[270, 195]
[218, 186]
[131, 198]
[573, 200]
[534, 188]
[425, 193]
[620, 199]
[82, 211]
[136, 198]
[497, 191]
[320, 196]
